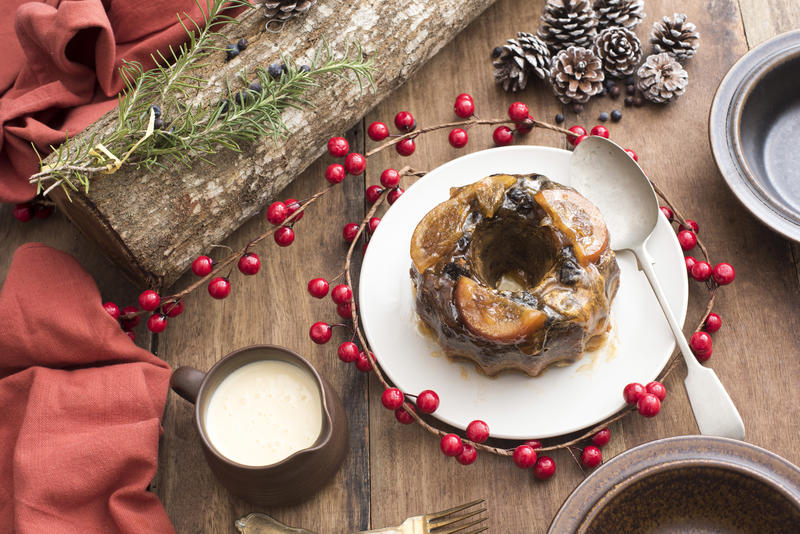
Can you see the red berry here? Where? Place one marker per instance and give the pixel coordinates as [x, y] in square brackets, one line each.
[712, 323]
[579, 139]
[591, 456]
[23, 212]
[149, 300]
[690, 225]
[403, 416]
[349, 232]
[390, 178]
[111, 309]
[535, 443]
[524, 456]
[464, 96]
[318, 287]
[522, 129]
[157, 323]
[284, 236]
[172, 309]
[348, 352]
[362, 363]
[701, 271]
[704, 356]
[404, 121]
[249, 263]
[292, 205]
[427, 401]
[374, 193]
[518, 112]
[544, 468]
[133, 321]
[405, 147]
[451, 445]
[478, 431]
[373, 224]
[468, 455]
[633, 392]
[689, 261]
[687, 239]
[131, 335]
[503, 136]
[355, 163]
[345, 311]
[724, 273]
[202, 266]
[602, 437]
[701, 344]
[277, 213]
[601, 131]
[394, 194]
[632, 154]
[378, 131]
[219, 287]
[392, 398]
[464, 107]
[320, 332]
[338, 147]
[657, 389]
[648, 405]
[668, 213]
[458, 137]
[578, 131]
[335, 173]
[41, 211]
[342, 294]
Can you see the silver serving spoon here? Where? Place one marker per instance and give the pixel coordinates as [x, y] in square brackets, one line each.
[617, 186]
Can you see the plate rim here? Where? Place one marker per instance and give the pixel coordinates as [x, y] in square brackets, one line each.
[559, 152]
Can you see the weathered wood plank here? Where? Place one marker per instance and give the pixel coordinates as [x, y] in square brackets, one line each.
[153, 224]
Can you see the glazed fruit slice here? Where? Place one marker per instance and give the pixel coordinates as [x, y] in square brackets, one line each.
[436, 234]
[579, 219]
[492, 316]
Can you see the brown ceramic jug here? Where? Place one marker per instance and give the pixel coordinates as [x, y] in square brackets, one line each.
[292, 479]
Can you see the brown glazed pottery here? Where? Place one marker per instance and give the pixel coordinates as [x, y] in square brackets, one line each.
[686, 484]
[754, 125]
[292, 479]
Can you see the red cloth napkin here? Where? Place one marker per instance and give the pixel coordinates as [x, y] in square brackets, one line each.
[59, 70]
[81, 407]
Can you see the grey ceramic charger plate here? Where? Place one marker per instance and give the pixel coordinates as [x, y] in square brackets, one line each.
[754, 126]
[687, 484]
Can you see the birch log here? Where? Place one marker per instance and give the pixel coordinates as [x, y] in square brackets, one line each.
[153, 224]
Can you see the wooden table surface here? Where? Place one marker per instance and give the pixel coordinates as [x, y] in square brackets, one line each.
[394, 471]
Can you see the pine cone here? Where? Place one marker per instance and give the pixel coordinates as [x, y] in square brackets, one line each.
[620, 51]
[675, 36]
[576, 75]
[661, 78]
[615, 13]
[567, 23]
[286, 9]
[519, 58]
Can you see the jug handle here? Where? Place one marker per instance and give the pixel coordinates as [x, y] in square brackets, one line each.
[186, 382]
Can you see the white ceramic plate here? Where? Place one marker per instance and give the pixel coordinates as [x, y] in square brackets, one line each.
[515, 406]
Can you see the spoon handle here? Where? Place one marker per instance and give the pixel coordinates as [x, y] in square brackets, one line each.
[713, 408]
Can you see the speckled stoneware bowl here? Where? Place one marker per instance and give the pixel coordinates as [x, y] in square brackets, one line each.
[754, 125]
[686, 484]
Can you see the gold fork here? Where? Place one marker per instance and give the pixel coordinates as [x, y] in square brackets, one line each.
[456, 520]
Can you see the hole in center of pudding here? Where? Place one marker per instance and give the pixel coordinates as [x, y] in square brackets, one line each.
[512, 254]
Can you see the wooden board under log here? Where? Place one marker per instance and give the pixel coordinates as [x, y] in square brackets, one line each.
[154, 223]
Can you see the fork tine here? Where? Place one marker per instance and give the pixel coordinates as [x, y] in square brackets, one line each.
[459, 528]
[432, 525]
[437, 515]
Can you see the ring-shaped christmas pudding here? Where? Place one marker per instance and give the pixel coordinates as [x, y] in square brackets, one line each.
[514, 272]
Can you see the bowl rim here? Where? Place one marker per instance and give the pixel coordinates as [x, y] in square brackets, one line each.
[613, 476]
[724, 131]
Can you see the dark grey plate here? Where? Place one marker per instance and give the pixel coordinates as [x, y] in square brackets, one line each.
[754, 128]
[686, 484]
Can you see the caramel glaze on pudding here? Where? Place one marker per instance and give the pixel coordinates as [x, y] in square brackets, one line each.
[514, 273]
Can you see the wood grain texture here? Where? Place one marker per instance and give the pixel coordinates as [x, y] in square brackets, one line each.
[155, 223]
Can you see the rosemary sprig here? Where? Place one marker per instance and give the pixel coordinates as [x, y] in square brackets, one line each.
[193, 131]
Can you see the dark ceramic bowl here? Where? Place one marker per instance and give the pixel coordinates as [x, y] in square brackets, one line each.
[687, 484]
[754, 127]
